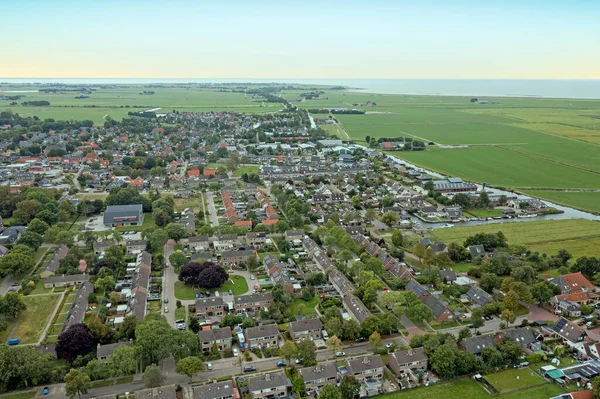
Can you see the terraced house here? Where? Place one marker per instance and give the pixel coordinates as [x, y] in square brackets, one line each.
[317, 376]
[221, 337]
[230, 258]
[271, 385]
[262, 336]
[366, 367]
[207, 307]
[218, 390]
[305, 329]
[251, 303]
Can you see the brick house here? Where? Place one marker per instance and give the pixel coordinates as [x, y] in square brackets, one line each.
[366, 367]
[216, 336]
[270, 385]
[401, 362]
[251, 303]
[305, 329]
[230, 258]
[256, 240]
[206, 307]
[319, 375]
[262, 336]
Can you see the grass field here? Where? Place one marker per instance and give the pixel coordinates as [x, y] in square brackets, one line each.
[186, 292]
[514, 379]
[28, 327]
[583, 200]
[246, 169]
[180, 204]
[148, 223]
[301, 307]
[483, 213]
[575, 235]
[20, 395]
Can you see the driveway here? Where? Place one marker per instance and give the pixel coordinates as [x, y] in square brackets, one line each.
[538, 313]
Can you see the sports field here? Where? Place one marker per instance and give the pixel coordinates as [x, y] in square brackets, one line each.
[578, 236]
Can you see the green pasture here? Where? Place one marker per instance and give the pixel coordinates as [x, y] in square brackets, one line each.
[589, 200]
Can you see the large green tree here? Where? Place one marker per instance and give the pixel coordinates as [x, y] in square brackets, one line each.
[77, 383]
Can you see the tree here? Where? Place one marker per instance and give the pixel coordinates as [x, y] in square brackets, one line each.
[105, 284]
[420, 251]
[420, 312]
[12, 305]
[177, 260]
[375, 339]
[370, 215]
[176, 231]
[38, 226]
[77, 383]
[351, 329]
[152, 377]
[74, 341]
[334, 344]
[333, 326]
[511, 300]
[329, 391]
[307, 352]
[31, 239]
[349, 387]
[457, 252]
[204, 275]
[122, 361]
[397, 238]
[288, 351]
[154, 339]
[508, 316]
[477, 318]
[542, 292]
[489, 281]
[464, 333]
[189, 366]
[596, 388]
[390, 218]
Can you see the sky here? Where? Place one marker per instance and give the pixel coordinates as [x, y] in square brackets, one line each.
[547, 39]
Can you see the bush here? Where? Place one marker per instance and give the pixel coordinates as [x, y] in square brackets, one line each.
[247, 357]
[381, 352]
[228, 353]
[267, 352]
[535, 358]
[257, 352]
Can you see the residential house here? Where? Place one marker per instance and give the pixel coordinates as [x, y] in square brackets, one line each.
[226, 242]
[447, 276]
[208, 307]
[100, 247]
[305, 329]
[340, 282]
[268, 385]
[441, 310]
[164, 392]
[478, 296]
[570, 333]
[315, 377]
[355, 307]
[65, 280]
[256, 240]
[365, 367]
[408, 360]
[79, 306]
[124, 215]
[476, 343]
[103, 352]
[230, 258]
[217, 390]
[198, 243]
[221, 337]
[262, 336]
[54, 262]
[476, 250]
[251, 303]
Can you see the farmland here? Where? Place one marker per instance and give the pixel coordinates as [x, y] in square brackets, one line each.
[578, 236]
[583, 200]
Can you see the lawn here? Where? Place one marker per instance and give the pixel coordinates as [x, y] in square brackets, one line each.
[586, 200]
[514, 379]
[461, 267]
[39, 288]
[187, 292]
[246, 169]
[29, 325]
[545, 236]
[180, 204]
[20, 395]
[147, 224]
[459, 389]
[483, 213]
[540, 392]
[180, 313]
[301, 307]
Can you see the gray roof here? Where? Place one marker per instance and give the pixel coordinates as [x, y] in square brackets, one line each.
[214, 391]
[104, 351]
[476, 250]
[54, 263]
[214, 334]
[479, 296]
[114, 211]
[408, 356]
[436, 305]
[356, 307]
[166, 392]
[262, 331]
[252, 299]
[306, 325]
[79, 305]
[447, 275]
[270, 380]
[318, 372]
[523, 335]
[414, 286]
[476, 344]
[237, 254]
[365, 363]
[71, 278]
[211, 301]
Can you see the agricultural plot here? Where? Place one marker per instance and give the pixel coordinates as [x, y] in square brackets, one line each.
[30, 324]
[545, 236]
[584, 200]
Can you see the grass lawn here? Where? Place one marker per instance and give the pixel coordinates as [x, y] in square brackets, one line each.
[461, 267]
[238, 287]
[584, 200]
[180, 204]
[19, 395]
[148, 223]
[460, 389]
[29, 325]
[124, 380]
[483, 213]
[506, 381]
[542, 392]
[39, 288]
[245, 169]
[296, 307]
[537, 236]
[40, 253]
[180, 313]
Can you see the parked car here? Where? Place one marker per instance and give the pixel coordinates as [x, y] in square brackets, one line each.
[248, 369]
[209, 366]
[166, 309]
[340, 354]
[389, 345]
[281, 364]
[45, 391]
[360, 339]
[235, 352]
[166, 300]
[252, 277]
[298, 361]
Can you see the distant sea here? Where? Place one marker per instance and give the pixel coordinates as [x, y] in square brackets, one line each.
[547, 88]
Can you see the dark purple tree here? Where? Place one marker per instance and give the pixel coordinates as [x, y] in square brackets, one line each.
[101, 264]
[204, 275]
[74, 341]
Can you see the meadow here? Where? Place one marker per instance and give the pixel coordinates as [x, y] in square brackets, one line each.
[578, 199]
[578, 236]
[29, 325]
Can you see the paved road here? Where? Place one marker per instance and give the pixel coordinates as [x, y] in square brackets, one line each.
[203, 208]
[214, 220]
[75, 181]
[8, 280]
[169, 278]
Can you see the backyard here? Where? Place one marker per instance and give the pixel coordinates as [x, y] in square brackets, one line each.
[237, 284]
[514, 379]
[30, 324]
[301, 307]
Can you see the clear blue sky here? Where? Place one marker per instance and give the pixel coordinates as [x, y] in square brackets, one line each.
[306, 39]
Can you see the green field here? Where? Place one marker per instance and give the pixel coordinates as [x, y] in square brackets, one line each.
[514, 379]
[583, 200]
[28, 327]
[186, 292]
[301, 307]
[483, 213]
[246, 169]
[578, 236]
[146, 224]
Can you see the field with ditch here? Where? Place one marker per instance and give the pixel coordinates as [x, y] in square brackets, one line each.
[578, 236]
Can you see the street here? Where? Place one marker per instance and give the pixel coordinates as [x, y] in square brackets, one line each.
[214, 220]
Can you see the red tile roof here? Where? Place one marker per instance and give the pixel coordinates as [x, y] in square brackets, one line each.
[210, 172]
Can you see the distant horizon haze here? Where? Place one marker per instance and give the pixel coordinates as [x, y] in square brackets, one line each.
[395, 39]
